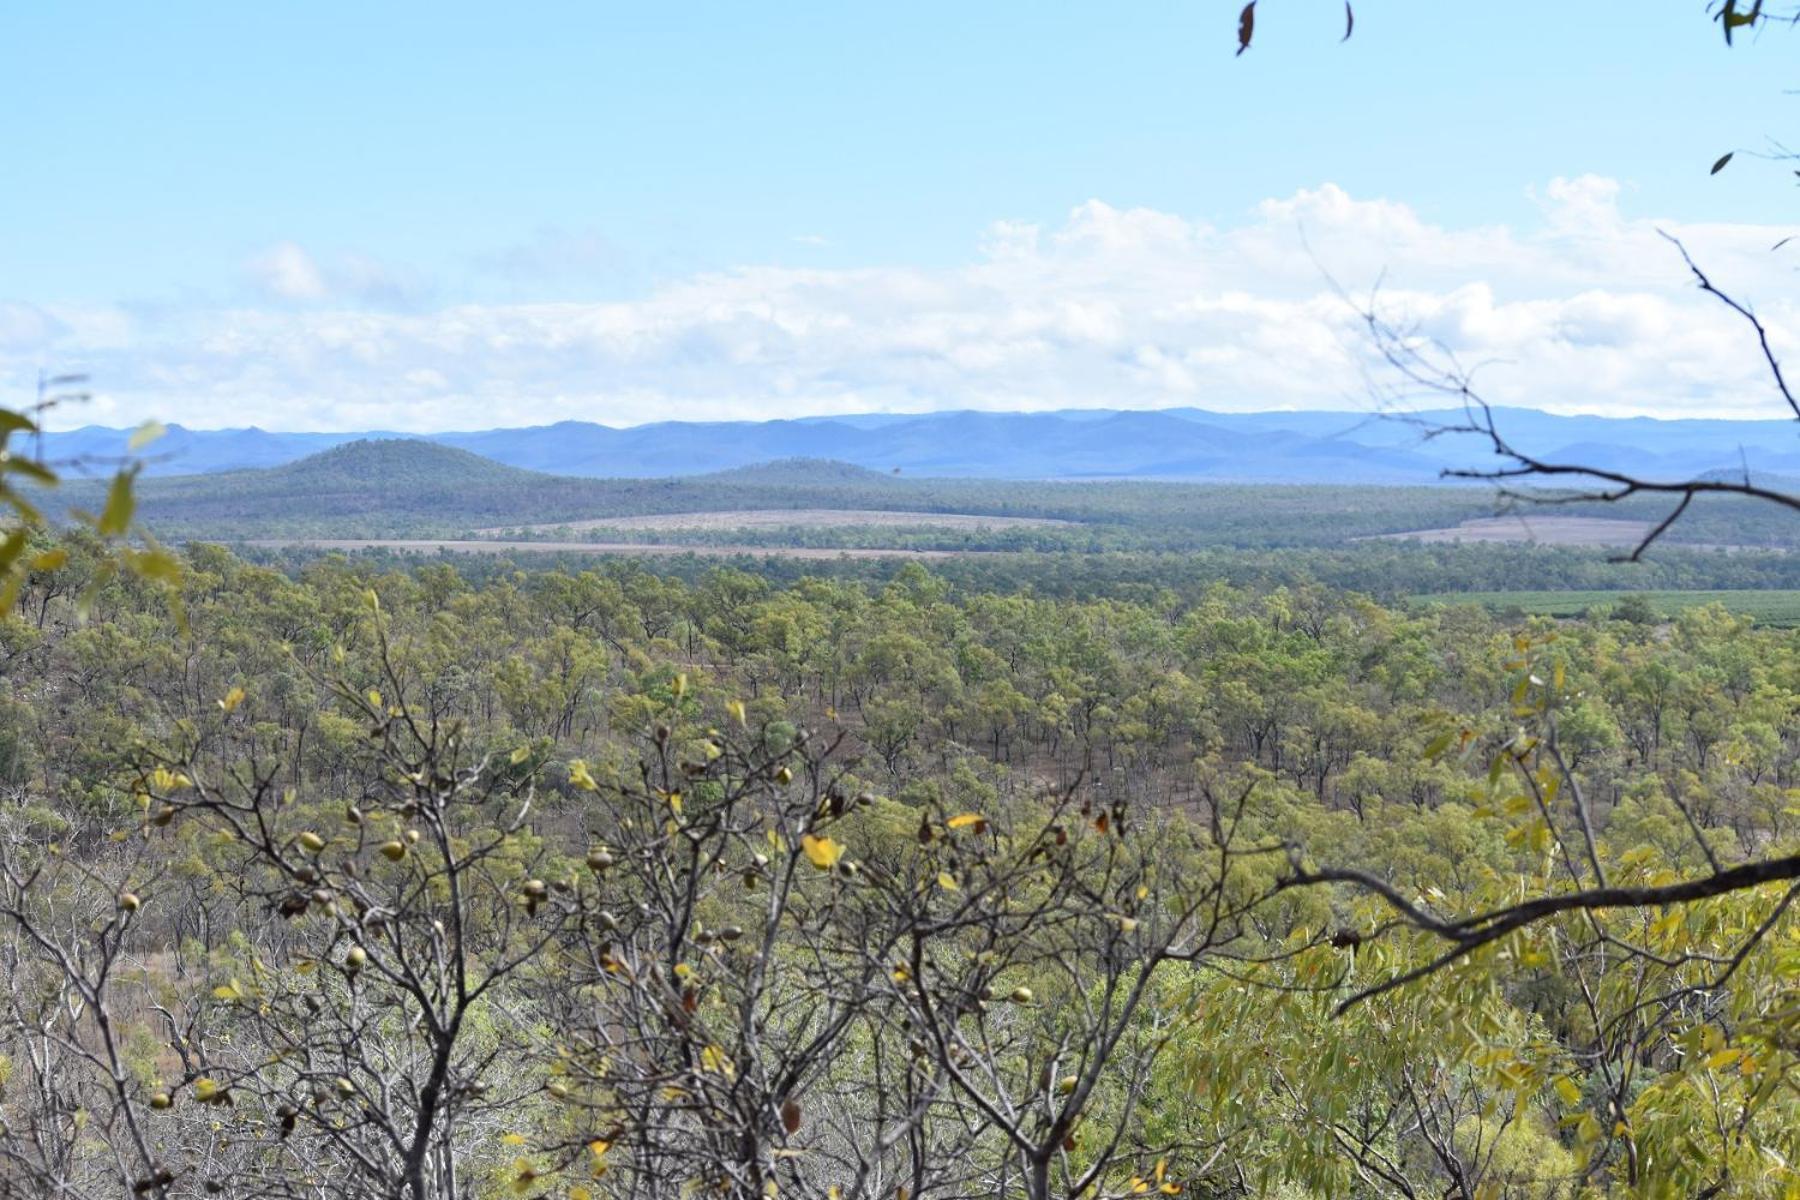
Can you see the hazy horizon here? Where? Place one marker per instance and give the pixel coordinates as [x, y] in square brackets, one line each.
[1351, 414]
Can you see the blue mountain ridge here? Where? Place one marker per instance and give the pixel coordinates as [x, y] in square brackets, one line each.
[1180, 443]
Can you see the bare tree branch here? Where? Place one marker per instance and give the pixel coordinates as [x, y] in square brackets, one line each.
[1427, 366]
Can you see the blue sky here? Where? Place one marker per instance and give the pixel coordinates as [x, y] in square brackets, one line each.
[186, 176]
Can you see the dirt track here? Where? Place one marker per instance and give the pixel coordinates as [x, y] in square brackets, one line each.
[471, 546]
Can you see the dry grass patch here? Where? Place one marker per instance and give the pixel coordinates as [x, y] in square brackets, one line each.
[788, 518]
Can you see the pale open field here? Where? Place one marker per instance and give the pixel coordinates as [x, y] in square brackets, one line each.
[786, 518]
[1525, 527]
[502, 546]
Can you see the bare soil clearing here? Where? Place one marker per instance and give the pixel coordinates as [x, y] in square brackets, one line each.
[785, 518]
[1521, 527]
[499, 546]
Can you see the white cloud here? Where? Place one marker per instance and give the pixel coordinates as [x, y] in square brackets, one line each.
[1590, 310]
[287, 272]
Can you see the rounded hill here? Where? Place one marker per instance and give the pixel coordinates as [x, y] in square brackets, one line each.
[805, 471]
[391, 479]
[395, 462]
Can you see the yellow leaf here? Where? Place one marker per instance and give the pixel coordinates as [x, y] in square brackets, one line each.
[712, 1058]
[513, 1139]
[822, 852]
[164, 780]
[146, 433]
[1567, 1089]
[962, 820]
[580, 776]
[520, 755]
[947, 881]
[735, 709]
[232, 699]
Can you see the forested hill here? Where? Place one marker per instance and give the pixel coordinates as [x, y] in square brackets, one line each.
[397, 466]
[381, 478]
[806, 472]
[1178, 443]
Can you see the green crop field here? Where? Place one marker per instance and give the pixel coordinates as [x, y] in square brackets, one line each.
[1777, 608]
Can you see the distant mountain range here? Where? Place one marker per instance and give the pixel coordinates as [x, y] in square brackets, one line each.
[1177, 443]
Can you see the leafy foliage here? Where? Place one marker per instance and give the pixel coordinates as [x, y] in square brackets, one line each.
[608, 883]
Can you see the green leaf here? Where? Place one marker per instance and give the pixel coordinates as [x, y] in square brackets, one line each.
[157, 564]
[11, 548]
[115, 519]
[1437, 745]
[37, 472]
[27, 511]
[1732, 19]
[15, 422]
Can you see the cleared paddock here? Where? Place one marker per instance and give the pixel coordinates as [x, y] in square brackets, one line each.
[1525, 527]
[789, 518]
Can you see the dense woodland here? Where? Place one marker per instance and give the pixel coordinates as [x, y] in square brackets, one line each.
[355, 878]
[1389, 571]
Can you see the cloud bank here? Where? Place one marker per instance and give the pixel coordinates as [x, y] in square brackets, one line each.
[1588, 310]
